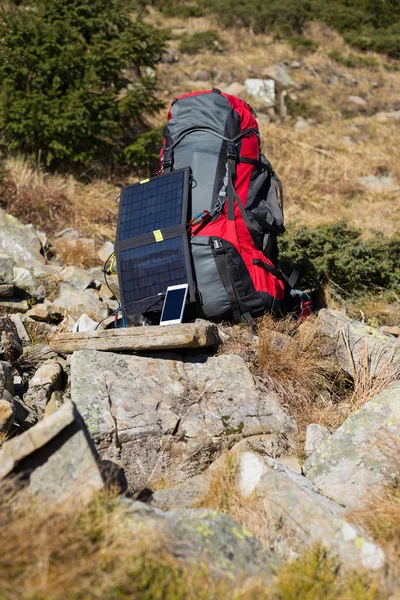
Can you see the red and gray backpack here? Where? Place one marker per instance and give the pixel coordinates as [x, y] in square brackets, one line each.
[236, 205]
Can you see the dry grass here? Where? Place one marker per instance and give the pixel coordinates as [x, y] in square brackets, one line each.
[367, 383]
[381, 515]
[54, 202]
[299, 365]
[90, 553]
[223, 495]
[76, 253]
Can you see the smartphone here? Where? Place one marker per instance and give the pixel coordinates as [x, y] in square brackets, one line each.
[174, 304]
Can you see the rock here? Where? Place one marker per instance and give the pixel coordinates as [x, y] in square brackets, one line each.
[40, 312]
[10, 343]
[357, 100]
[6, 417]
[280, 74]
[85, 323]
[351, 463]
[191, 492]
[315, 436]
[167, 418]
[25, 281]
[68, 234]
[25, 417]
[301, 124]
[170, 57]
[6, 290]
[77, 303]
[264, 89]
[353, 340]
[47, 379]
[19, 241]
[200, 536]
[387, 116]
[56, 458]
[295, 64]
[14, 304]
[7, 265]
[78, 278]
[235, 89]
[378, 184]
[6, 381]
[105, 251]
[21, 331]
[291, 514]
[56, 401]
[292, 462]
[297, 516]
[201, 75]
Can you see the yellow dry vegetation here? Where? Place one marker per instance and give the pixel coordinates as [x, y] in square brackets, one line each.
[52, 552]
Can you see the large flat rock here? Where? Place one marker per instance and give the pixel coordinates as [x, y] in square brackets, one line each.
[358, 344]
[200, 536]
[56, 458]
[290, 514]
[185, 335]
[168, 418]
[352, 463]
[19, 241]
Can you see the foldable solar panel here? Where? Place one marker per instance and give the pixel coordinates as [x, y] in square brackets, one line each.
[151, 246]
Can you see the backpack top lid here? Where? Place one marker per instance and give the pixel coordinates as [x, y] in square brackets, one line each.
[199, 125]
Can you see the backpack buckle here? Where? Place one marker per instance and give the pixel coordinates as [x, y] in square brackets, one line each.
[232, 151]
[218, 247]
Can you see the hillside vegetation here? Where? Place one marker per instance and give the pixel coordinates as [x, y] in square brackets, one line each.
[100, 115]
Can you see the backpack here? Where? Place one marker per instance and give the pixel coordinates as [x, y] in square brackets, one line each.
[236, 208]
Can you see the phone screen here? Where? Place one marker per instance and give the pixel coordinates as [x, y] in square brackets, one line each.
[173, 304]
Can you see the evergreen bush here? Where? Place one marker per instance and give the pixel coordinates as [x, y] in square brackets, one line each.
[76, 80]
[338, 254]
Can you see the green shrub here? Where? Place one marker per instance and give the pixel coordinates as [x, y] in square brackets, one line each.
[144, 153]
[302, 44]
[353, 60]
[338, 254]
[73, 80]
[201, 41]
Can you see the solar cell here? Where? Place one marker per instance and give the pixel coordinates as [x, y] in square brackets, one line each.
[152, 244]
[156, 204]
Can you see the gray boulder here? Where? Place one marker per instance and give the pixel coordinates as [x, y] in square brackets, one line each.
[354, 340]
[315, 436]
[19, 241]
[75, 303]
[290, 512]
[7, 413]
[25, 281]
[47, 379]
[105, 251]
[352, 464]
[6, 381]
[56, 458]
[78, 278]
[7, 265]
[167, 418]
[200, 536]
[10, 343]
